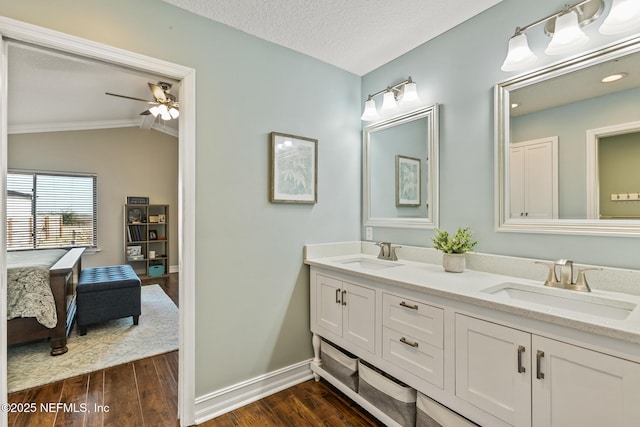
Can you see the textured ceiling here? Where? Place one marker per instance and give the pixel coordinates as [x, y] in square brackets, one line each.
[354, 35]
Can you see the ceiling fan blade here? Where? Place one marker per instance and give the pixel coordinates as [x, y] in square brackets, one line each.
[130, 97]
[145, 113]
[157, 92]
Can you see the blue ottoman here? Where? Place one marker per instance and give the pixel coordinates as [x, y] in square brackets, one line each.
[107, 293]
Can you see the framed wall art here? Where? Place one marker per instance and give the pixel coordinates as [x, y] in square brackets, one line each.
[293, 169]
[407, 181]
[137, 200]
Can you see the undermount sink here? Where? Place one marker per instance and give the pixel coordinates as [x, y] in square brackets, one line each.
[370, 263]
[578, 302]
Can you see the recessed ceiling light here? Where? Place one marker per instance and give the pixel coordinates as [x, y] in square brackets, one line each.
[514, 105]
[614, 77]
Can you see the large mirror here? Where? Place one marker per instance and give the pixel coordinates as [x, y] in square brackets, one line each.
[400, 171]
[568, 146]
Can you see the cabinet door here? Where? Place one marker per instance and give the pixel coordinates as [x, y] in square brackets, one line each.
[329, 304]
[583, 388]
[539, 178]
[493, 369]
[359, 315]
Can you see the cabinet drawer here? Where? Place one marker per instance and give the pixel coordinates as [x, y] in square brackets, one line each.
[414, 355]
[421, 321]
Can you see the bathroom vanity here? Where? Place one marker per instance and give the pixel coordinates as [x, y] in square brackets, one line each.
[499, 350]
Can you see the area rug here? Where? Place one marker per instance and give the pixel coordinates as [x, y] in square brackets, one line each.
[105, 344]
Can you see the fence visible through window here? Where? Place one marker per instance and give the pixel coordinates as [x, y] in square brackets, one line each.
[47, 210]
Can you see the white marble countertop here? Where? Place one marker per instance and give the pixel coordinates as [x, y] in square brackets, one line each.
[471, 287]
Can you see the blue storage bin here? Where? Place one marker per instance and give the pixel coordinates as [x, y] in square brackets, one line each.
[156, 270]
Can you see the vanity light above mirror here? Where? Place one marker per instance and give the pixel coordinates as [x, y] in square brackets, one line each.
[564, 28]
[400, 96]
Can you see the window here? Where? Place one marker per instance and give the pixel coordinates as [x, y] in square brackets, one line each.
[50, 210]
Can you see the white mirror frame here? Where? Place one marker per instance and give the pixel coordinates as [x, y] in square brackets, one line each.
[501, 155]
[432, 141]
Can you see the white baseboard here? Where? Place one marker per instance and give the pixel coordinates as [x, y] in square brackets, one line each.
[227, 399]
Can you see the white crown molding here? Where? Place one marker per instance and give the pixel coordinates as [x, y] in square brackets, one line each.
[88, 125]
[71, 126]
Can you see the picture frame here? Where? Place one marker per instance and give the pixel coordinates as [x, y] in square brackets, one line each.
[153, 235]
[134, 215]
[293, 169]
[134, 251]
[137, 200]
[407, 181]
[162, 218]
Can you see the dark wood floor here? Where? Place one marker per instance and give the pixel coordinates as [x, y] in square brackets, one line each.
[307, 404]
[141, 393]
[144, 393]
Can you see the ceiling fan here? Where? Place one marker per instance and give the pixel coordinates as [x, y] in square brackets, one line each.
[165, 105]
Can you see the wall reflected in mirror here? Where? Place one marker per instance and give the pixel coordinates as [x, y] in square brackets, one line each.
[400, 171]
[569, 144]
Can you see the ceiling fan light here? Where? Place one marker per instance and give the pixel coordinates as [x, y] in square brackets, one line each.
[154, 110]
[165, 115]
[623, 16]
[519, 55]
[370, 112]
[174, 112]
[567, 35]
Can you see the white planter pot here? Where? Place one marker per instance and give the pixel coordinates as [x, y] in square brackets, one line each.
[453, 263]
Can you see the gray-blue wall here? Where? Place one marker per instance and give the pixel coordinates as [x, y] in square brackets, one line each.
[252, 289]
[459, 70]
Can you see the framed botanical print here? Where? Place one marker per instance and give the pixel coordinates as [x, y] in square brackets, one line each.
[407, 181]
[293, 169]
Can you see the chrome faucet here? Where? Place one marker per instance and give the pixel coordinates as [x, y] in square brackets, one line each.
[387, 251]
[561, 276]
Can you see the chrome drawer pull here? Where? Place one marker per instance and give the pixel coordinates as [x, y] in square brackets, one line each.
[403, 340]
[521, 368]
[405, 305]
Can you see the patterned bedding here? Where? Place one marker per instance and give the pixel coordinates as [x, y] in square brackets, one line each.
[28, 290]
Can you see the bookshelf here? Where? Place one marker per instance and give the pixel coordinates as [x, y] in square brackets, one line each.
[146, 237]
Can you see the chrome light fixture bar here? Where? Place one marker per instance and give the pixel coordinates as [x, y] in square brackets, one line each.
[565, 29]
[400, 95]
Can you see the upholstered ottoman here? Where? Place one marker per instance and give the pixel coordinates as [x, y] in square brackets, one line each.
[107, 293]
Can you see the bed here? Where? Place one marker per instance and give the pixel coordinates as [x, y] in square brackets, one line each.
[41, 291]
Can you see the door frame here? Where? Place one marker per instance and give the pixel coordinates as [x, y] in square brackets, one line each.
[43, 37]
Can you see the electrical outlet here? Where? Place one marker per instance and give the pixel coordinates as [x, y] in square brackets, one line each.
[369, 233]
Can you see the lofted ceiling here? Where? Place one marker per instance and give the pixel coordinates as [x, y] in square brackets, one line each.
[51, 91]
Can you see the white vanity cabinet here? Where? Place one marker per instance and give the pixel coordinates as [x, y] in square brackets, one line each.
[345, 310]
[528, 380]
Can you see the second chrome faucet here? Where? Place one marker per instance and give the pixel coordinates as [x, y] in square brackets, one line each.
[387, 251]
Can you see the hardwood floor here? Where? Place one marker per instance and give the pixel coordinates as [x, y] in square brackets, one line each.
[144, 393]
[307, 404]
[141, 393]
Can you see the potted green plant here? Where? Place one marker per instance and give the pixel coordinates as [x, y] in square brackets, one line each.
[454, 246]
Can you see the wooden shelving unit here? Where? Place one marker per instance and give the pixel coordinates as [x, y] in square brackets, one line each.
[146, 237]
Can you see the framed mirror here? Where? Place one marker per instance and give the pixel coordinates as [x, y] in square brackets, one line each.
[568, 144]
[400, 171]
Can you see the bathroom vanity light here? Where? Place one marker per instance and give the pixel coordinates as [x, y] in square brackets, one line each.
[401, 95]
[565, 29]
